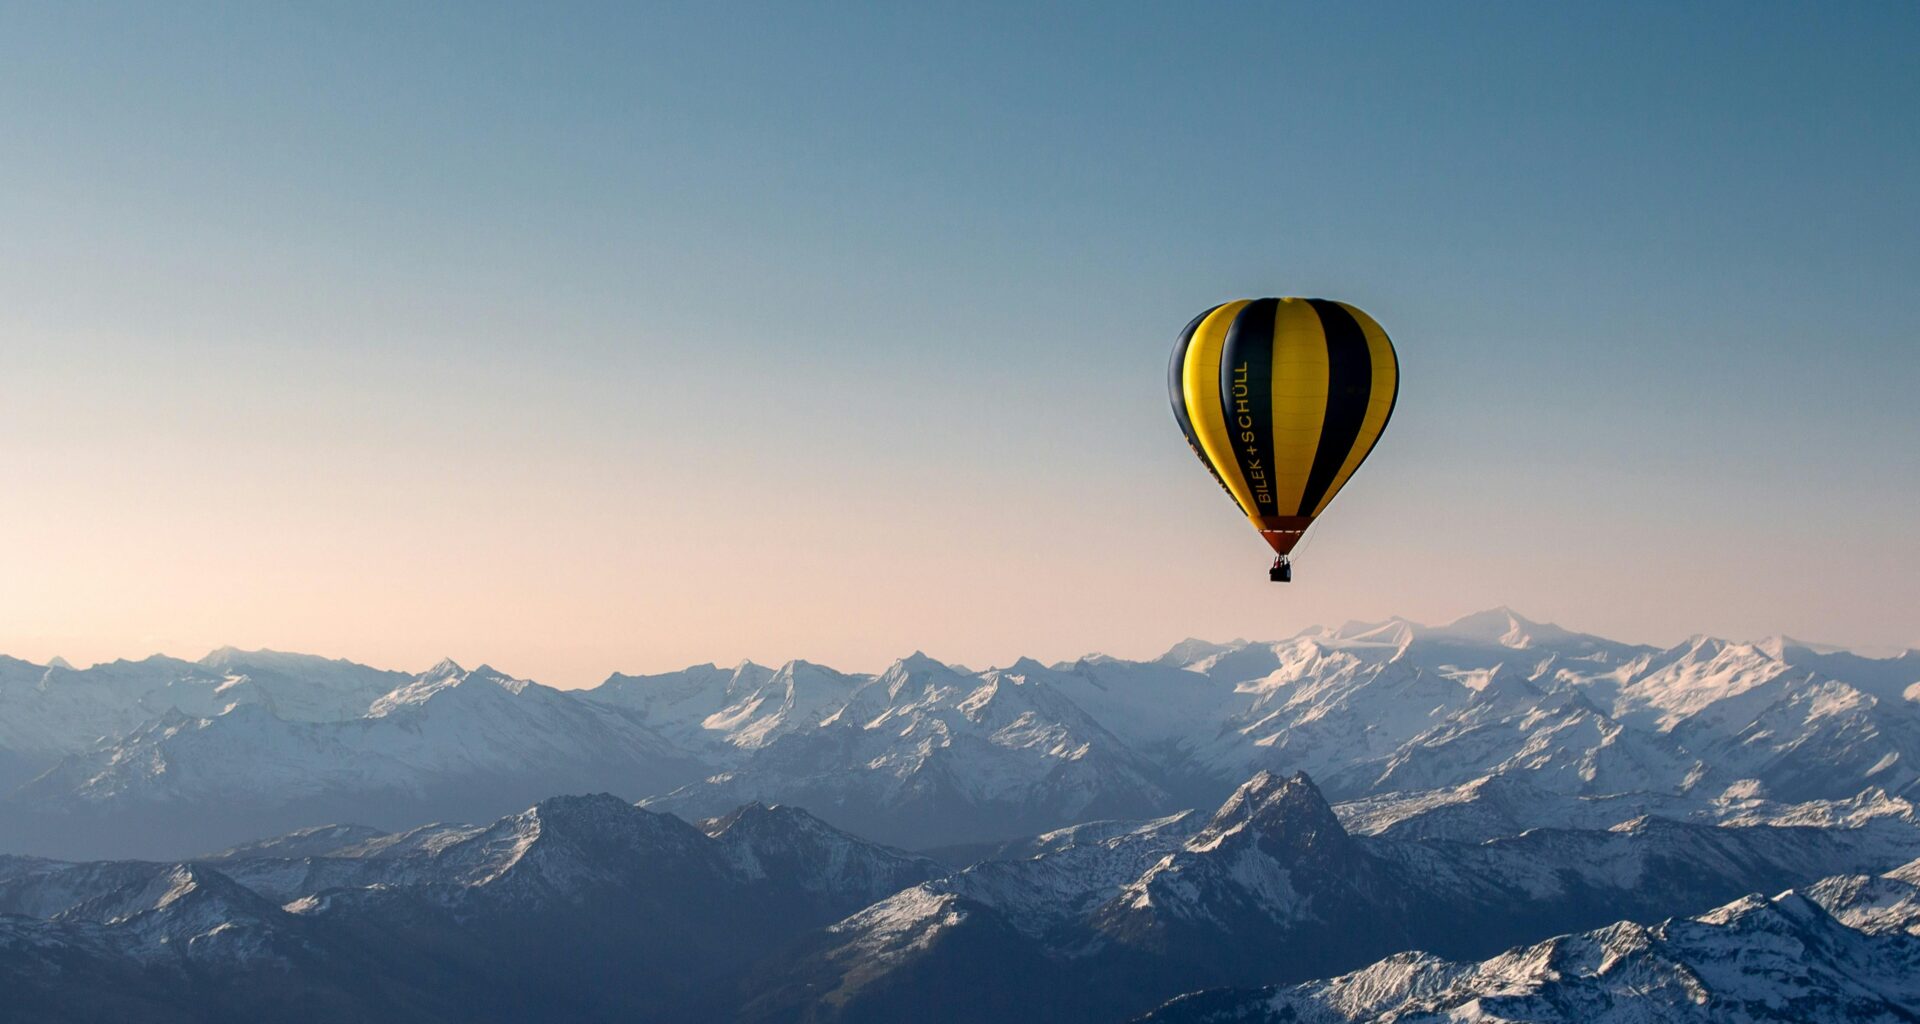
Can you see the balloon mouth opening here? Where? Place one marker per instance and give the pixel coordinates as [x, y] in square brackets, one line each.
[1283, 532]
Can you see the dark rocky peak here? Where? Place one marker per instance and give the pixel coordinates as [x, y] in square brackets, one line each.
[1288, 818]
[758, 818]
[600, 816]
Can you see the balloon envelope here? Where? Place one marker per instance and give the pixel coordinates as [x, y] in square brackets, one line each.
[1282, 399]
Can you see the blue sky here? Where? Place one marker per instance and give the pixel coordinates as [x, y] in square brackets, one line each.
[592, 337]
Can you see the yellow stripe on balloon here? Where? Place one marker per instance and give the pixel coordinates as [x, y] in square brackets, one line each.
[1201, 382]
[1299, 399]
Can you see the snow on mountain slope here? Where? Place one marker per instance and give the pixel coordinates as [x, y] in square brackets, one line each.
[451, 742]
[1106, 835]
[1875, 904]
[578, 908]
[1888, 679]
[1064, 875]
[1271, 844]
[1754, 960]
[1034, 894]
[554, 852]
[1707, 678]
[800, 850]
[301, 687]
[1497, 805]
[1194, 653]
[1507, 804]
[746, 708]
[565, 852]
[1275, 861]
[1355, 705]
[1556, 740]
[1617, 718]
[1122, 915]
[1824, 739]
[946, 758]
[317, 841]
[563, 848]
[1652, 862]
[678, 704]
[60, 710]
[447, 723]
[801, 697]
[1741, 806]
[63, 710]
[1506, 628]
[1331, 704]
[151, 911]
[1156, 708]
[927, 754]
[1097, 921]
[36, 887]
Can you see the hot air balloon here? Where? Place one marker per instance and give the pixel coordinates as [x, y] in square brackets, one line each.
[1282, 399]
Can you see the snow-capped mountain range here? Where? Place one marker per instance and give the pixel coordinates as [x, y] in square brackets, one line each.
[588, 908]
[1478, 726]
[1845, 949]
[579, 908]
[1271, 886]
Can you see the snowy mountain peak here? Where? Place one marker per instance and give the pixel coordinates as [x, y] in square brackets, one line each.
[1286, 815]
[1788, 912]
[511, 684]
[312, 841]
[917, 666]
[184, 882]
[445, 668]
[756, 814]
[800, 668]
[448, 677]
[1394, 632]
[785, 821]
[914, 676]
[1754, 960]
[221, 655]
[1192, 650]
[589, 809]
[789, 845]
[1502, 626]
[170, 900]
[919, 662]
[233, 658]
[564, 841]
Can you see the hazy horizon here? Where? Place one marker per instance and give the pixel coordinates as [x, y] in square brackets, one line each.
[592, 340]
[473, 662]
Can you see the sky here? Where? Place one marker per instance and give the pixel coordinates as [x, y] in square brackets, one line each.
[581, 338]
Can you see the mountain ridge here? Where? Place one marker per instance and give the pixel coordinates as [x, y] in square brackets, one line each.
[589, 907]
[201, 755]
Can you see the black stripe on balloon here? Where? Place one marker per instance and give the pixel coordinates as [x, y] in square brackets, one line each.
[1176, 377]
[1176, 390]
[1349, 386]
[1246, 398]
